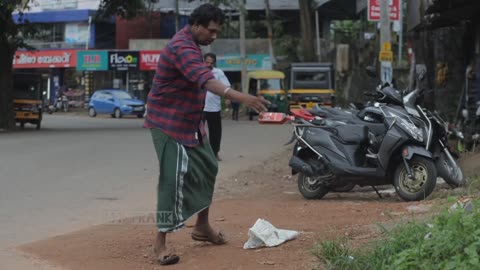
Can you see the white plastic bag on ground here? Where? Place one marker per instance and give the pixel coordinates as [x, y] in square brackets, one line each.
[263, 233]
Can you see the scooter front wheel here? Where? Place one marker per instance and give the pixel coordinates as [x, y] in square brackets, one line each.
[450, 171]
[310, 188]
[423, 182]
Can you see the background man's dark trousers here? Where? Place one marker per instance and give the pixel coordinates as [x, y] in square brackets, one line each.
[214, 123]
[235, 107]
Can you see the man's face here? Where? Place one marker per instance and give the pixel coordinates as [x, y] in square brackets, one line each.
[209, 62]
[205, 35]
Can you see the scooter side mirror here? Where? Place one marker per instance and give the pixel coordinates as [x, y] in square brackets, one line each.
[421, 72]
[371, 71]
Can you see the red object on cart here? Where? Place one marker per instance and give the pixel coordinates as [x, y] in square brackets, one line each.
[274, 118]
[302, 113]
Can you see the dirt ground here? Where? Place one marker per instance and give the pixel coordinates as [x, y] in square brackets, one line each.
[265, 191]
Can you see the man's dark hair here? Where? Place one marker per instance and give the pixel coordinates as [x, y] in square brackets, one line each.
[211, 55]
[206, 13]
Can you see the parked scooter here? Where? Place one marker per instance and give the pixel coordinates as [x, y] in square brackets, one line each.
[61, 103]
[373, 117]
[337, 153]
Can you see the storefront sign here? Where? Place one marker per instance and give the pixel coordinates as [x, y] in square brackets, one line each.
[76, 33]
[374, 10]
[92, 60]
[45, 59]
[234, 62]
[56, 4]
[127, 60]
[149, 60]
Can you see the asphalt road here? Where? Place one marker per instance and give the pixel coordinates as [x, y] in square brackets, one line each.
[77, 172]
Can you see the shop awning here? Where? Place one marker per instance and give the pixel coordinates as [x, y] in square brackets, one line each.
[77, 15]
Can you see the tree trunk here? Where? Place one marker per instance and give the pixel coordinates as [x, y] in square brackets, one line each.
[306, 25]
[423, 49]
[7, 120]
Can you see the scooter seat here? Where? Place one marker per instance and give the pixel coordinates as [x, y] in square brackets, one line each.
[331, 112]
[355, 134]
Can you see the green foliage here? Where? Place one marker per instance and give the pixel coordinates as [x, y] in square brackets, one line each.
[450, 240]
[127, 9]
[348, 32]
[9, 30]
[285, 44]
[333, 254]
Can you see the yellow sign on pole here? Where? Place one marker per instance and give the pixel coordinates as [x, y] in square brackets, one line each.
[386, 56]
[386, 46]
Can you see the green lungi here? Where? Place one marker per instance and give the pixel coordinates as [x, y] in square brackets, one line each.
[186, 181]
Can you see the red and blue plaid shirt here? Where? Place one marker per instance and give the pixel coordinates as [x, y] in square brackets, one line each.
[175, 102]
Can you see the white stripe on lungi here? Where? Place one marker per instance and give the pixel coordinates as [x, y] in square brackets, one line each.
[183, 171]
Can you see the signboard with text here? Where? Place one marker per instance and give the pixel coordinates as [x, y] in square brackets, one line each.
[92, 60]
[57, 4]
[45, 59]
[123, 60]
[149, 60]
[233, 62]
[53, 5]
[374, 10]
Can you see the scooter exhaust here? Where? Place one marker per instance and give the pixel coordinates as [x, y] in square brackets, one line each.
[300, 166]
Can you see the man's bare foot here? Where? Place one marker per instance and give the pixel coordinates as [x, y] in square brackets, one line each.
[205, 233]
[165, 256]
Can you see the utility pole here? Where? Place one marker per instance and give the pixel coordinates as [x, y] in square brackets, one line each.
[177, 16]
[317, 31]
[243, 53]
[386, 54]
[270, 34]
[400, 40]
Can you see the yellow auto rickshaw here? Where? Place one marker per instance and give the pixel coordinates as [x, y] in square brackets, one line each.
[311, 84]
[27, 99]
[270, 85]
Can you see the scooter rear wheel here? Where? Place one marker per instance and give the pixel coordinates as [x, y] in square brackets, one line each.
[310, 188]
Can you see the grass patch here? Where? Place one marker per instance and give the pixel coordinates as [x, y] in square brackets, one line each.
[450, 240]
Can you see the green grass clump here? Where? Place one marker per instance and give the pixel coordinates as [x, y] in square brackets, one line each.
[450, 240]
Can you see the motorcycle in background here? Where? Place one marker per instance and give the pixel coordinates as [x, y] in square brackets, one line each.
[61, 103]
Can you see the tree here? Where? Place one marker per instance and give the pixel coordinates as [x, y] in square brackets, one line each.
[306, 27]
[9, 42]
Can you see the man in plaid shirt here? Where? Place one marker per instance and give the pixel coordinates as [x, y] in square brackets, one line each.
[188, 166]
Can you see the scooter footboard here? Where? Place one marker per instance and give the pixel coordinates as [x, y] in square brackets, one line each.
[343, 170]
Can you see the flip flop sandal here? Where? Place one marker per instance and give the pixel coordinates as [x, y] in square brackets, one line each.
[168, 259]
[219, 238]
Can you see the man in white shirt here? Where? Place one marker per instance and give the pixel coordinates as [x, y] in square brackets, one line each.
[213, 106]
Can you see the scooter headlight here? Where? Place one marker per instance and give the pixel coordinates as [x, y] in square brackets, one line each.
[414, 131]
